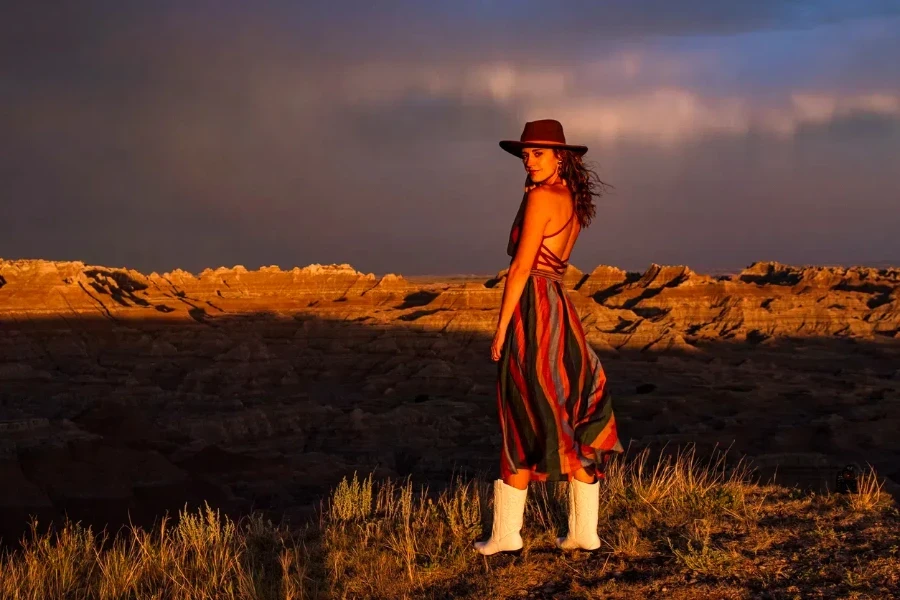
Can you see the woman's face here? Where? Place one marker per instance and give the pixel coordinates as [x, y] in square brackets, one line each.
[540, 163]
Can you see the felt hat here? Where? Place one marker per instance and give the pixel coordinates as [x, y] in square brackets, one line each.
[545, 133]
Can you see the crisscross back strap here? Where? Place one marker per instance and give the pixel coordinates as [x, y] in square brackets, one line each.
[560, 230]
[547, 258]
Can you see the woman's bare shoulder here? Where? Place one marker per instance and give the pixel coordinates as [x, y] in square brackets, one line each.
[550, 198]
[540, 201]
[549, 193]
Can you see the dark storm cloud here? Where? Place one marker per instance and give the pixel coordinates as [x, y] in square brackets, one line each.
[62, 34]
[869, 128]
[192, 134]
[540, 27]
[428, 123]
[828, 195]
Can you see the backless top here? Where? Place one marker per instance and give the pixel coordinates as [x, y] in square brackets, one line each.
[545, 256]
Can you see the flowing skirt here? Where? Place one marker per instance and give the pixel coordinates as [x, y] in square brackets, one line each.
[554, 406]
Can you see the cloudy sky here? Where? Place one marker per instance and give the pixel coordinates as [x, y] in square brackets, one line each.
[167, 134]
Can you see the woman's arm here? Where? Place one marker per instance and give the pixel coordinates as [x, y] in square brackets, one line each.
[537, 214]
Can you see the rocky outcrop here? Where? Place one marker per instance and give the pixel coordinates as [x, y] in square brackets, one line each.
[603, 279]
[766, 300]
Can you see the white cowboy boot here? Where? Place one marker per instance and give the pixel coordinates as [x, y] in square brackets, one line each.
[584, 504]
[509, 508]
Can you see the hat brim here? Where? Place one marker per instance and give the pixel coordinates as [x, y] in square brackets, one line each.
[514, 147]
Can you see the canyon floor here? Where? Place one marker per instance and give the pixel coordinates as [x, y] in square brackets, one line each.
[125, 395]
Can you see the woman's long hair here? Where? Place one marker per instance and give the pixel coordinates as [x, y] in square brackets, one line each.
[582, 182]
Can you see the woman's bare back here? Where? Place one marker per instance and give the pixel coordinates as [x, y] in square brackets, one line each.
[563, 242]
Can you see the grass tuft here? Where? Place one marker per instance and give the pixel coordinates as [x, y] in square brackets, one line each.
[868, 492]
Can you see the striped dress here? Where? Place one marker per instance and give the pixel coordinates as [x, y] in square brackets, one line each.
[553, 402]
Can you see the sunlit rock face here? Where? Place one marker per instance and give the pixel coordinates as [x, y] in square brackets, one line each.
[123, 395]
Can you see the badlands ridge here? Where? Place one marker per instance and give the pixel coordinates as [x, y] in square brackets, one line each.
[665, 307]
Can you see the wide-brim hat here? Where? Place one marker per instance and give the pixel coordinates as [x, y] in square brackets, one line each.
[545, 133]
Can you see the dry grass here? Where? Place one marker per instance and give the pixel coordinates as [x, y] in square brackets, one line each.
[206, 555]
[868, 492]
[673, 526]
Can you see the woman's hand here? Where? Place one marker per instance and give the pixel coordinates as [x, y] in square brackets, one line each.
[497, 345]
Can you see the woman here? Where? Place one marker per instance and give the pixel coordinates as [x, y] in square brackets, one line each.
[555, 411]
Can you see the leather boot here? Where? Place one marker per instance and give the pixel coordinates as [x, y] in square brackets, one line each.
[584, 504]
[509, 508]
